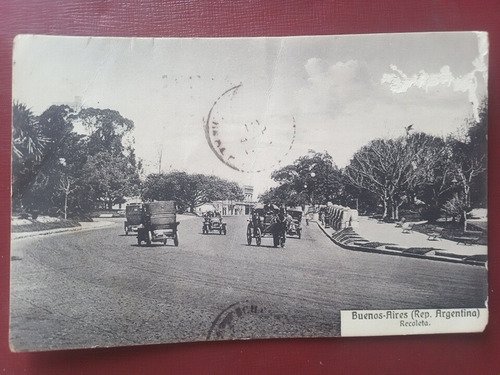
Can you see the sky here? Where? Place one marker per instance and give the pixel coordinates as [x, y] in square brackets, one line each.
[240, 108]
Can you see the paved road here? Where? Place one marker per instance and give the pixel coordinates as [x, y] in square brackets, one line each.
[98, 288]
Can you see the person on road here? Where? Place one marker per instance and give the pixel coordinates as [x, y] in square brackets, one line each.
[281, 225]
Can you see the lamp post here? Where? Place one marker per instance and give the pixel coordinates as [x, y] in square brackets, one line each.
[312, 191]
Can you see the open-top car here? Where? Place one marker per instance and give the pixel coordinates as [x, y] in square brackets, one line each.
[212, 222]
[267, 220]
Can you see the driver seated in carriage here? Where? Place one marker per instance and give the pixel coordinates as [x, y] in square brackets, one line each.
[289, 222]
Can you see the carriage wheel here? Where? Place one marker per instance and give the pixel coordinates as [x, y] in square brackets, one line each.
[176, 239]
[249, 236]
[258, 237]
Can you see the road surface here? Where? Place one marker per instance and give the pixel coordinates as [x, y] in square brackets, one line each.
[98, 288]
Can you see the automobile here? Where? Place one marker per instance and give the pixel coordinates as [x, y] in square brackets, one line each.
[158, 223]
[294, 222]
[133, 214]
[267, 220]
[212, 222]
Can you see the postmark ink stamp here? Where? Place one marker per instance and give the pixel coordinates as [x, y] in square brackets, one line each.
[244, 139]
[247, 319]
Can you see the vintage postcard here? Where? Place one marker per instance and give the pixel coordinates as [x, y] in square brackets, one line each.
[179, 190]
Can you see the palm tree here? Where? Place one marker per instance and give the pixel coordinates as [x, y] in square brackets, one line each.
[27, 138]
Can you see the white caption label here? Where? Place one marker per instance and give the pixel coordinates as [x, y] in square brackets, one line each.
[412, 322]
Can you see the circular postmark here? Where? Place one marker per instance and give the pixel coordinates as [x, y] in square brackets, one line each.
[248, 137]
[247, 320]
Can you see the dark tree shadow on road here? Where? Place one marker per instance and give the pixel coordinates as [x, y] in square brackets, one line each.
[261, 246]
[154, 245]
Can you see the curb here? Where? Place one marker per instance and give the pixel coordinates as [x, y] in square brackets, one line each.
[20, 235]
[398, 251]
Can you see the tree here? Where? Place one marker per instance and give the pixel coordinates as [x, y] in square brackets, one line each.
[65, 185]
[478, 138]
[110, 171]
[107, 130]
[189, 190]
[62, 157]
[284, 194]
[394, 169]
[311, 179]
[97, 166]
[457, 207]
[28, 144]
[469, 166]
[56, 126]
[107, 178]
[439, 186]
[469, 159]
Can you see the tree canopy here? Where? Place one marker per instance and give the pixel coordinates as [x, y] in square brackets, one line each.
[311, 179]
[189, 190]
[55, 167]
[395, 169]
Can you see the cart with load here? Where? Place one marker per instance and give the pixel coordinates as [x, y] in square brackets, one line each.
[158, 223]
[212, 222]
[133, 215]
[294, 222]
[267, 220]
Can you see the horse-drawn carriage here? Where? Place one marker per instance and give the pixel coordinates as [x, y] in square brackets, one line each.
[133, 214]
[294, 222]
[267, 220]
[212, 222]
[158, 223]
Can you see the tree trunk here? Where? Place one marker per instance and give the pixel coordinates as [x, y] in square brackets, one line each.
[464, 219]
[65, 206]
[386, 207]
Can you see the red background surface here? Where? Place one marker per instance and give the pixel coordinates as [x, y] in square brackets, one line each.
[467, 354]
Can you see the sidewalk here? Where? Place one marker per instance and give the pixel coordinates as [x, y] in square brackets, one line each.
[96, 224]
[414, 244]
[84, 226]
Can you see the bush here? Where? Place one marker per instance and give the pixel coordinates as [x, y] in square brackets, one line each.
[431, 213]
[34, 214]
[455, 207]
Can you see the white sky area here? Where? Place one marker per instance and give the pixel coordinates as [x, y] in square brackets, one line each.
[339, 91]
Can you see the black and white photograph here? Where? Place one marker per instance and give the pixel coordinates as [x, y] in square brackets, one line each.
[170, 190]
